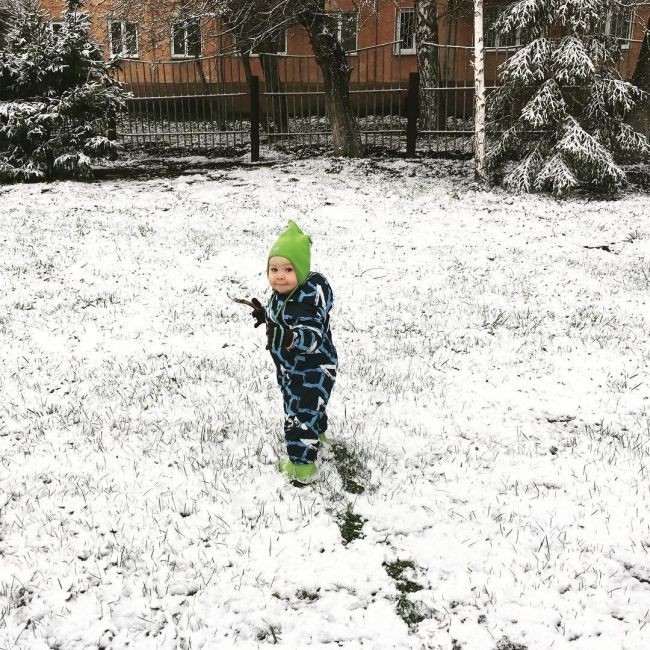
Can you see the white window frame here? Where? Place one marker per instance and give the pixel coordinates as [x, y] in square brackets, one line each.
[56, 23]
[284, 51]
[625, 44]
[497, 45]
[173, 40]
[130, 55]
[398, 31]
[339, 29]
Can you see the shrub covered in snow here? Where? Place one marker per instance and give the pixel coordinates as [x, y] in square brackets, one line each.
[560, 112]
[56, 98]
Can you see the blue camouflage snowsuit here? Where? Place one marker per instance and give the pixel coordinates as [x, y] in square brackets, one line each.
[306, 371]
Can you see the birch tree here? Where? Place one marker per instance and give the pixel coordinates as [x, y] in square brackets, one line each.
[479, 94]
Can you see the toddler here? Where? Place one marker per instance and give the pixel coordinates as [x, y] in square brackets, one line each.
[301, 346]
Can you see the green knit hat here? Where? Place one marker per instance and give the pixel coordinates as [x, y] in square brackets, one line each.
[295, 246]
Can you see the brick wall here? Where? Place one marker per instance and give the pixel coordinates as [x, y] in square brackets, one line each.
[374, 28]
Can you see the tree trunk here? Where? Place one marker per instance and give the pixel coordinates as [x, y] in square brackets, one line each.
[432, 117]
[246, 64]
[346, 138]
[479, 94]
[640, 115]
[248, 72]
[272, 84]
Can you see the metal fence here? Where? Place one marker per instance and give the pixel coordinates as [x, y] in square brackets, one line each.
[294, 109]
[206, 103]
[199, 103]
[449, 129]
[453, 130]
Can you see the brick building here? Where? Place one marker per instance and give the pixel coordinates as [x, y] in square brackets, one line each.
[138, 32]
[185, 71]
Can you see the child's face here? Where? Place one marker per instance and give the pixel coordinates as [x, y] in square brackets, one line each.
[282, 275]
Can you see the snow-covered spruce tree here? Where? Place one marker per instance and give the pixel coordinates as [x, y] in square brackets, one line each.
[56, 98]
[558, 118]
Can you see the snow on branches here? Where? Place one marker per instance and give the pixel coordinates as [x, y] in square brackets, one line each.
[555, 176]
[547, 107]
[586, 156]
[56, 98]
[585, 16]
[557, 120]
[529, 64]
[571, 63]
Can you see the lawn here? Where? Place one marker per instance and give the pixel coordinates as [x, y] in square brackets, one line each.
[487, 487]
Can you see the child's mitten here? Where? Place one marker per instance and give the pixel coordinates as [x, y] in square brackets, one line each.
[259, 313]
[278, 336]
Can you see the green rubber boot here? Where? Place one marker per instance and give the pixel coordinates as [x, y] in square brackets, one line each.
[300, 473]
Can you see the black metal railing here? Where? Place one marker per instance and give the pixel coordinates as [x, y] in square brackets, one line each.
[210, 103]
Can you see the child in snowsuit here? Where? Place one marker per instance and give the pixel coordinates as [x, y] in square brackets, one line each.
[301, 346]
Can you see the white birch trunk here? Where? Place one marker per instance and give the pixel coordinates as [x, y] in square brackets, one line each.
[479, 94]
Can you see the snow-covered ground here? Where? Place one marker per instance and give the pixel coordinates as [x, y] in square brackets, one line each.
[488, 486]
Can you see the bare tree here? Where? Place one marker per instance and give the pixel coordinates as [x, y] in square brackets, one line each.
[254, 20]
[247, 24]
[479, 94]
[331, 58]
[154, 18]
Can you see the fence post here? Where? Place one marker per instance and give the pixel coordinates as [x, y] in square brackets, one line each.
[111, 131]
[412, 113]
[255, 118]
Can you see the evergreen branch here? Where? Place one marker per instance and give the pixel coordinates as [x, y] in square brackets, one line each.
[522, 177]
[556, 176]
[546, 108]
[570, 62]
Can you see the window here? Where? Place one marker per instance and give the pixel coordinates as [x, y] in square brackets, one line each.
[344, 25]
[274, 44]
[405, 31]
[123, 38]
[491, 38]
[186, 38]
[56, 27]
[619, 25]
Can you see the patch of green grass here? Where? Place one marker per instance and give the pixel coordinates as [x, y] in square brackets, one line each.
[351, 525]
[396, 571]
[349, 467]
[410, 611]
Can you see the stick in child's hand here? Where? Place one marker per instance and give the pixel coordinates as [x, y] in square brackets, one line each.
[243, 301]
[258, 314]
